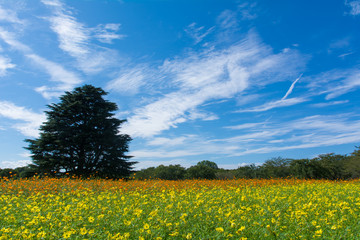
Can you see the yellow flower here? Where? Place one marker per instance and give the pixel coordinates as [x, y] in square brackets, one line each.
[318, 232]
[91, 219]
[174, 234]
[67, 234]
[189, 236]
[83, 231]
[219, 229]
[146, 226]
[41, 234]
[240, 230]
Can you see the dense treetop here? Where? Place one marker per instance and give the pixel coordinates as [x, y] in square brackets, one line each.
[81, 137]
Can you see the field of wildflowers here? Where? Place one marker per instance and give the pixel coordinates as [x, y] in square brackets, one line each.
[190, 209]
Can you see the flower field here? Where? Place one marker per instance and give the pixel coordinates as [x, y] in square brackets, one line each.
[190, 209]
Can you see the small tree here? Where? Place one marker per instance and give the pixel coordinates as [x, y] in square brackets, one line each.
[352, 164]
[208, 163]
[202, 170]
[81, 137]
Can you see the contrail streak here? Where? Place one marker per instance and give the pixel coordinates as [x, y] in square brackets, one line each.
[291, 87]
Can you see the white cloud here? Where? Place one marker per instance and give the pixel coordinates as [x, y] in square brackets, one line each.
[11, 40]
[326, 104]
[308, 132]
[205, 116]
[245, 126]
[14, 164]
[198, 33]
[248, 11]
[147, 164]
[354, 7]
[67, 79]
[351, 83]
[73, 36]
[162, 141]
[75, 39]
[183, 146]
[54, 3]
[129, 82]
[227, 19]
[31, 121]
[335, 83]
[57, 73]
[291, 88]
[209, 76]
[107, 33]
[274, 104]
[257, 138]
[7, 15]
[5, 64]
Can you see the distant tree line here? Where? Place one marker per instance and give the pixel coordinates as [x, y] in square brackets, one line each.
[326, 166]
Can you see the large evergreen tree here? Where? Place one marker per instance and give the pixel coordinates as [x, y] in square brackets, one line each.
[81, 137]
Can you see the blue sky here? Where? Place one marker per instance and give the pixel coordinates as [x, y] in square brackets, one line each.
[234, 82]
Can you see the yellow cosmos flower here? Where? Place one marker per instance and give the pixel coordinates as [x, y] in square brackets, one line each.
[219, 229]
[67, 234]
[83, 231]
[91, 219]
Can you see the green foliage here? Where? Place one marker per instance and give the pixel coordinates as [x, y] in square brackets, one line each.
[276, 167]
[208, 163]
[81, 137]
[171, 172]
[352, 164]
[248, 171]
[201, 171]
[331, 166]
[8, 173]
[223, 174]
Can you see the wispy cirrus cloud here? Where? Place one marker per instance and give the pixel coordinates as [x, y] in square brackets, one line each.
[335, 83]
[5, 64]
[10, 39]
[256, 138]
[76, 39]
[129, 81]
[198, 33]
[10, 16]
[67, 80]
[58, 73]
[274, 104]
[331, 103]
[208, 76]
[245, 126]
[189, 145]
[29, 120]
[354, 7]
[106, 33]
[308, 132]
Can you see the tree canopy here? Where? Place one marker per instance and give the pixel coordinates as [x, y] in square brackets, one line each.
[81, 137]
